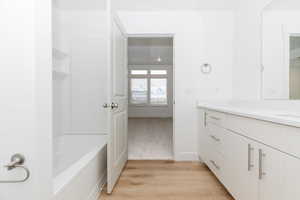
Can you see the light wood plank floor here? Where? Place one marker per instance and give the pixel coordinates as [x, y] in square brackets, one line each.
[167, 180]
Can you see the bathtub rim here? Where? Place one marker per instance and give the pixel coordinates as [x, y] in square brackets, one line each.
[65, 177]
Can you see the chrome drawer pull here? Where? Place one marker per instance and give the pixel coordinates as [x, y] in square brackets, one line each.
[260, 168]
[249, 157]
[215, 165]
[215, 138]
[215, 118]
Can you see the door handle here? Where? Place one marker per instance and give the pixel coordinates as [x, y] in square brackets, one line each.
[17, 161]
[112, 105]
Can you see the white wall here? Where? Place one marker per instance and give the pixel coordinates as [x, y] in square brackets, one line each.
[199, 37]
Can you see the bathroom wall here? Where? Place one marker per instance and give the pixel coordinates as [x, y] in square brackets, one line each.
[199, 37]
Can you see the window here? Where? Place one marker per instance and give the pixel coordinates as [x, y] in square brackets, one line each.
[139, 72]
[148, 85]
[158, 72]
[158, 91]
[139, 94]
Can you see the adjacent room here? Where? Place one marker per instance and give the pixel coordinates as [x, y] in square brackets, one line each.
[150, 92]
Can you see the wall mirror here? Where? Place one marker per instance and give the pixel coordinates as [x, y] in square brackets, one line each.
[281, 50]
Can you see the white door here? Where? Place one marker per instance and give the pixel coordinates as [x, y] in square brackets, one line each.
[291, 176]
[117, 149]
[25, 102]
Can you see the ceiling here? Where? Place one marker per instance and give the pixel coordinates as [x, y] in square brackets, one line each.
[148, 5]
[80, 4]
[284, 5]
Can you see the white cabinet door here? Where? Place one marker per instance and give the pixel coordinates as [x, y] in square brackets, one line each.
[241, 178]
[270, 173]
[117, 148]
[291, 176]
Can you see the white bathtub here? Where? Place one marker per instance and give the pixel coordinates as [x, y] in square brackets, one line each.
[79, 167]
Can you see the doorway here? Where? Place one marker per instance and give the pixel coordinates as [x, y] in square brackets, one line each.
[150, 97]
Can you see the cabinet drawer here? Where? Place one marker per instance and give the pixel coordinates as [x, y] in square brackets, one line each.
[216, 118]
[216, 165]
[216, 137]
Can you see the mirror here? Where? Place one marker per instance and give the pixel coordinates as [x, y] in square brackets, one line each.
[294, 66]
[281, 50]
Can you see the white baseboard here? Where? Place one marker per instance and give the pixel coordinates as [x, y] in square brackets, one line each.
[187, 156]
[96, 191]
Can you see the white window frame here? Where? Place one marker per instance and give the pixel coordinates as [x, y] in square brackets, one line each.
[149, 76]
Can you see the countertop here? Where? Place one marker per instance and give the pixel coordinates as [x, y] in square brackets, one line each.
[276, 116]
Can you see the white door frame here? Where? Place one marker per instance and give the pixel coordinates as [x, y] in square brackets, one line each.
[164, 35]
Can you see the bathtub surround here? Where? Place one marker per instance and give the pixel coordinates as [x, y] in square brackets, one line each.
[84, 179]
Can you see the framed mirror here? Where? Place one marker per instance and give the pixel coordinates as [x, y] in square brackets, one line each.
[281, 50]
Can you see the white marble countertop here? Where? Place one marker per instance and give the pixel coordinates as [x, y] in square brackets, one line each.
[280, 116]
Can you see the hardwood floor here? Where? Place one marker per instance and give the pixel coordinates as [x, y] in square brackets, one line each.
[167, 180]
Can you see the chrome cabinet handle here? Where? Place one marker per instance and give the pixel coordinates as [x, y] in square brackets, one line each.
[215, 118]
[17, 161]
[215, 165]
[250, 149]
[260, 161]
[215, 138]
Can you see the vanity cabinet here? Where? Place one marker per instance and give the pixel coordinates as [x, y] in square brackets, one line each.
[243, 160]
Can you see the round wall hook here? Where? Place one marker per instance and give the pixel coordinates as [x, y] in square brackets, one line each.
[206, 68]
